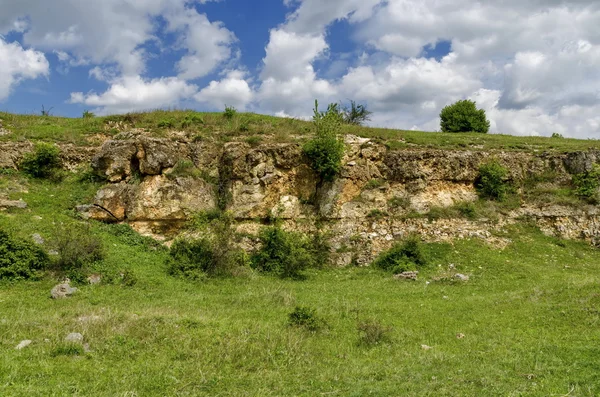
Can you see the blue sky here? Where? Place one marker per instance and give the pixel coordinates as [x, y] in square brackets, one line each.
[532, 65]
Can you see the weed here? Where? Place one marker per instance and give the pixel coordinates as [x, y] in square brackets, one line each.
[76, 246]
[167, 123]
[254, 140]
[399, 202]
[374, 184]
[372, 333]
[305, 317]
[68, 349]
[192, 120]
[376, 214]
[88, 115]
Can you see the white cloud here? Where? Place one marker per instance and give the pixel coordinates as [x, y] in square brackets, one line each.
[208, 43]
[17, 64]
[133, 93]
[233, 90]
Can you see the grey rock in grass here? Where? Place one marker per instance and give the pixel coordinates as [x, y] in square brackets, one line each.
[38, 239]
[74, 337]
[23, 344]
[13, 204]
[407, 275]
[62, 290]
[461, 277]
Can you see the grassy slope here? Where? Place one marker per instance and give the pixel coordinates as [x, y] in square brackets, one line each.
[529, 314]
[255, 127]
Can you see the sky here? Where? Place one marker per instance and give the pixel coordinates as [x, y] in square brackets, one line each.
[533, 65]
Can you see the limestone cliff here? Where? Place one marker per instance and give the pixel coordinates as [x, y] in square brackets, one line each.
[156, 184]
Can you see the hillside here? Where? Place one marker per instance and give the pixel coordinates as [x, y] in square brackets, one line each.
[505, 301]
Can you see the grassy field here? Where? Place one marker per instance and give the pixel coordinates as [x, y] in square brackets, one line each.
[530, 317]
[256, 128]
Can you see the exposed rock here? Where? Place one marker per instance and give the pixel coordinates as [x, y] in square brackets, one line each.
[407, 275]
[425, 347]
[63, 290]
[460, 336]
[12, 204]
[461, 277]
[94, 279]
[23, 344]
[74, 337]
[38, 239]
[114, 161]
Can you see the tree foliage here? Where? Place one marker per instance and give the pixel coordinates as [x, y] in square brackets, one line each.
[463, 116]
[492, 181]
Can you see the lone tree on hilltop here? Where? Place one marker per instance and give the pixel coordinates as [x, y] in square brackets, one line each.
[463, 116]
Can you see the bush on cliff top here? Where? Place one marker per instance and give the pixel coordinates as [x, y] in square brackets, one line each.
[463, 116]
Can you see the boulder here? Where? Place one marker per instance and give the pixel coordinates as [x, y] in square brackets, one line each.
[63, 290]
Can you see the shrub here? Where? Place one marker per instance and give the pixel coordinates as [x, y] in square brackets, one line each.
[305, 317]
[326, 149]
[88, 115]
[229, 112]
[557, 135]
[372, 333]
[43, 162]
[374, 184]
[463, 116]
[20, 259]
[213, 255]
[129, 236]
[165, 124]
[76, 247]
[191, 120]
[402, 257]
[492, 181]
[588, 183]
[283, 253]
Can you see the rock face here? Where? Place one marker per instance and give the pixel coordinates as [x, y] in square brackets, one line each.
[156, 184]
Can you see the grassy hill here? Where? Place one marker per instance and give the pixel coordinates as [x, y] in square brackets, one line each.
[224, 127]
[524, 324]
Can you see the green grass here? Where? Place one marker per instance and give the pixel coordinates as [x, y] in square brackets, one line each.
[255, 127]
[530, 315]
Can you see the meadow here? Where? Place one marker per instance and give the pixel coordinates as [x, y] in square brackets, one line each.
[526, 323]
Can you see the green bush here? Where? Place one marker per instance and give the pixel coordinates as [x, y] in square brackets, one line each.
[463, 116]
[43, 162]
[587, 184]
[372, 333]
[492, 181]
[402, 257]
[284, 253]
[305, 317]
[88, 115]
[76, 246]
[356, 114]
[326, 150]
[167, 123]
[191, 120]
[20, 259]
[229, 112]
[213, 255]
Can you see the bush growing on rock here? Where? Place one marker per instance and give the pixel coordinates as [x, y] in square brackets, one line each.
[326, 149]
[587, 184]
[463, 116]
[492, 181]
[43, 162]
[402, 257]
[20, 259]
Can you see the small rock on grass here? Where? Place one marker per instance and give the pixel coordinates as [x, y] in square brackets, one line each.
[461, 277]
[38, 239]
[425, 347]
[407, 276]
[94, 279]
[460, 336]
[23, 344]
[74, 337]
[63, 290]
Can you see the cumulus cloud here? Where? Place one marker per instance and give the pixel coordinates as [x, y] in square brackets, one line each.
[233, 90]
[17, 64]
[133, 93]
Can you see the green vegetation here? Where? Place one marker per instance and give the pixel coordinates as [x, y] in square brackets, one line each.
[229, 112]
[356, 114]
[463, 116]
[283, 253]
[492, 181]
[88, 115]
[231, 336]
[213, 127]
[587, 184]
[326, 149]
[305, 317]
[20, 259]
[43, 162]
[402, 257]
[76, 246]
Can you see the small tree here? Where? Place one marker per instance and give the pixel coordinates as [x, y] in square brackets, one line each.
[356, 114]
[326, 149]
[492, 181]
[463, 116]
